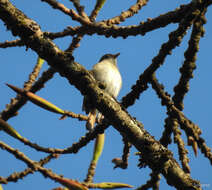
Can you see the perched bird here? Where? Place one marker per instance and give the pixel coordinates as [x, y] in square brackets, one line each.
[107, 73]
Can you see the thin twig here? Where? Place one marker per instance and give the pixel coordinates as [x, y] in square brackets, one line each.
[65, 10]
[20, 175]
[13, 43]
[127, 14]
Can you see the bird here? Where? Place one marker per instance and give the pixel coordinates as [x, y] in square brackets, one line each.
[106, 72]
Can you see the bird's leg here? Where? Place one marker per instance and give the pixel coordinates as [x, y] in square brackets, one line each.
[91, 120]
[100, 118]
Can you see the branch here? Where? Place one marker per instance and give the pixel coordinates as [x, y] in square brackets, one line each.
[80, 8]
[20, 175]
[74, 148]
[128, 13]
[13, 43]
[175, 39]
[17, 103]
[70, 12]
[36, 166]
[101, 28]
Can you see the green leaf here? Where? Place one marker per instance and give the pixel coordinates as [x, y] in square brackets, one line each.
[8, 129]
[37, 100]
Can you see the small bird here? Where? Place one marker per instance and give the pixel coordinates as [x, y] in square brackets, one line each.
[107, 73]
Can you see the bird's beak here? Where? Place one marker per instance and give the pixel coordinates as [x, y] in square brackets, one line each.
[116, 55]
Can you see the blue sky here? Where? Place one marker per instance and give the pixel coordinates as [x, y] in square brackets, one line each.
[45, 128]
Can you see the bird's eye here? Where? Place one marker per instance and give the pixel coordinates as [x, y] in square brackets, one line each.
[105, 57]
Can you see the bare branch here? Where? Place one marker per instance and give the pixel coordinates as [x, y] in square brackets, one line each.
[13, 43]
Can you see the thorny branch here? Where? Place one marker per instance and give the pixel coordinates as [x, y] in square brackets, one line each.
[101, 28]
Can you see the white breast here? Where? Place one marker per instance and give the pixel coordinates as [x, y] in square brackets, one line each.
[107, 73]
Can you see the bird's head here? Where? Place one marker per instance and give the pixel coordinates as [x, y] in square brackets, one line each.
[109, 57]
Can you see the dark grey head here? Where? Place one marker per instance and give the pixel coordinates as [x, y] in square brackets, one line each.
[109, 56]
